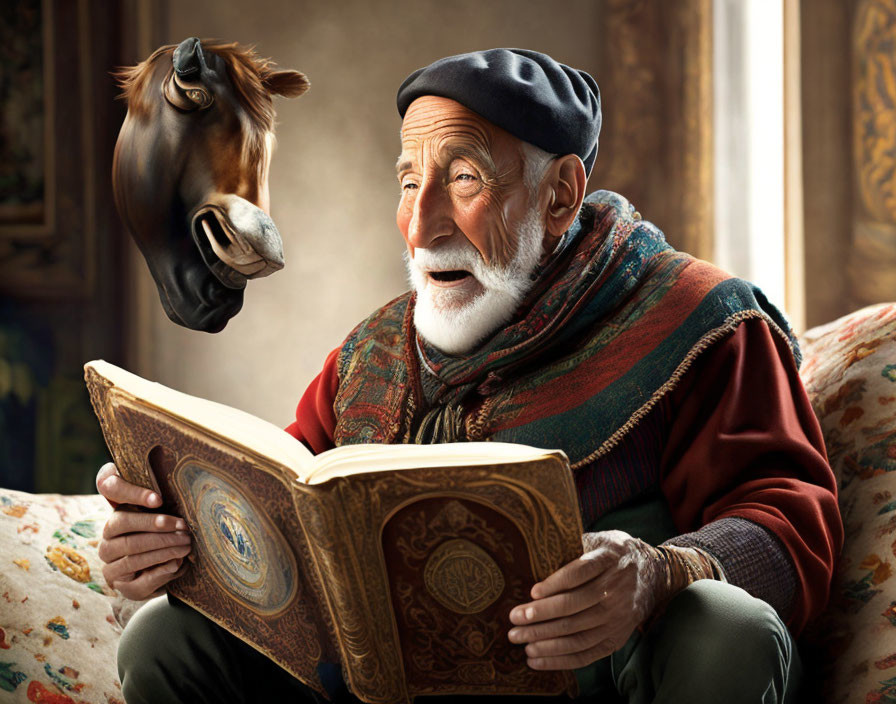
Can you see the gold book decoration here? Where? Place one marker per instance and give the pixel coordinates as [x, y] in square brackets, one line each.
[398, 564]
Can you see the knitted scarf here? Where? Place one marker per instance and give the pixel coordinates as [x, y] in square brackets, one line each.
[615, 318]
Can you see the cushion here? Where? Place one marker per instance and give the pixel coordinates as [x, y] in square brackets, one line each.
[59, 620]
[849, 371]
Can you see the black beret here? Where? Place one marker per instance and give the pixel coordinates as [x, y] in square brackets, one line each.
[530, 95]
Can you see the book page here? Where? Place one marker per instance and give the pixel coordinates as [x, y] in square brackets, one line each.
[225, 422]
[358, 459]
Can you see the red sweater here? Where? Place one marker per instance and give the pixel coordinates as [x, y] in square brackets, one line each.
[738, 454]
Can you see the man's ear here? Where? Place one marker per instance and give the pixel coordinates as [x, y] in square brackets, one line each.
[566, 180]
[289, 84]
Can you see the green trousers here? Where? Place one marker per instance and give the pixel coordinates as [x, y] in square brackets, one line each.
[715, 644]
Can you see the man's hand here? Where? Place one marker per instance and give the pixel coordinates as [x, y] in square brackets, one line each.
[589, 607]
[141, 551]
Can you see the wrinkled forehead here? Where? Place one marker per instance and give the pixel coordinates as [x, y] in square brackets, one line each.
[432, 113]
[435, 123]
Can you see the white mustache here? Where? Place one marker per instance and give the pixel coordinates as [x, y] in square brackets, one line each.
[453, 256]
[463, 255]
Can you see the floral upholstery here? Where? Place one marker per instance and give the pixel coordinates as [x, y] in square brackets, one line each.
[849, 370]
[60, 622]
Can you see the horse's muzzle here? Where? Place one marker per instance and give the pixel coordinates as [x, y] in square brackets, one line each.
[237, 240]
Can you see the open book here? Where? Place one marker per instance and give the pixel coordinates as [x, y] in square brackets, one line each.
[397, 563]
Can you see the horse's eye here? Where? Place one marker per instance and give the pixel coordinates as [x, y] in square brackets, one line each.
[200, 97]
[187, 97]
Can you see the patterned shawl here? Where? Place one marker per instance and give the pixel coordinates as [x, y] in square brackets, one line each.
[614, 320]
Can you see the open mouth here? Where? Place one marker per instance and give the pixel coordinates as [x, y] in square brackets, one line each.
[212, 239]
[450, 276]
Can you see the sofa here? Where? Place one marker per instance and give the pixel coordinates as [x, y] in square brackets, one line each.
[60, 622]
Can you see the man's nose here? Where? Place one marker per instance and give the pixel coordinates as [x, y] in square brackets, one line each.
[431, 219]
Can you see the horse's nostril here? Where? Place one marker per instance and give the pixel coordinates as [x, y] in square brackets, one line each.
[214, 247]
[216, 229]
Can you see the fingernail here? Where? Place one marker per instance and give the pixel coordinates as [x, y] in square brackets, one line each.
[530, 613]
[172, 566]
[535, 663]
[513, 634]
[181, 524]
[155, 498]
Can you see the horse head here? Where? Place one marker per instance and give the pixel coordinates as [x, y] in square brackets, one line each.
[190, 173]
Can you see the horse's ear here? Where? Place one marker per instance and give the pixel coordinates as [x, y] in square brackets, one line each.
[289, 84]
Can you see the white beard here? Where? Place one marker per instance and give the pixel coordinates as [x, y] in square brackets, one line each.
[441, 317]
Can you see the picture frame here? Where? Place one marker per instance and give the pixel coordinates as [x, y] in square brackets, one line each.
[47, 229]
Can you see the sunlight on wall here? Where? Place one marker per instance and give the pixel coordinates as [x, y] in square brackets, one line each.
[749, 141]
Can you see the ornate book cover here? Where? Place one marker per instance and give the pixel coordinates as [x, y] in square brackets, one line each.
[402, 577]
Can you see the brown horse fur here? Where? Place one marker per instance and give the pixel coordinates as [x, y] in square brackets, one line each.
[254, 79]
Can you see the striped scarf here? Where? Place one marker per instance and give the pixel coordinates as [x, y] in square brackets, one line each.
[614, 320]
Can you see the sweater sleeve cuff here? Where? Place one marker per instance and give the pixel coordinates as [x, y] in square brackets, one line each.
[751, 557]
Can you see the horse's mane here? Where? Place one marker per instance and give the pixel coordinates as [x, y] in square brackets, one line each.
[247, 71]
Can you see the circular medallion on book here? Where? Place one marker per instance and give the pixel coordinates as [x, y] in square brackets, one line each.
[463, 577]
[248, 556]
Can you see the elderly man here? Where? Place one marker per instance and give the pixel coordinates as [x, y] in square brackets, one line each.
[541, 316]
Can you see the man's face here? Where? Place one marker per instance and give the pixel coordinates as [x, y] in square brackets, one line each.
[461, 176]
[466, 213]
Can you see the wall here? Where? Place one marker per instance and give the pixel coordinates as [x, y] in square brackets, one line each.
[825, 27]
[333, 186]
[60, 241]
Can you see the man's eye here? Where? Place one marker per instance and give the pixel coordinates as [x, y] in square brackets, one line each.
[408, 185]
[465, 177]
